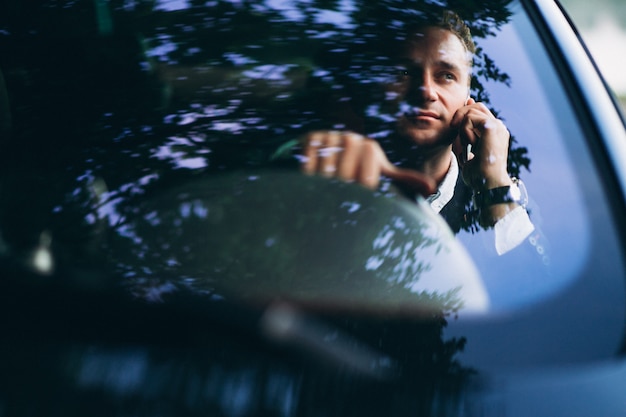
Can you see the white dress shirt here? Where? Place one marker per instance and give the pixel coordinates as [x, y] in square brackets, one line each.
[510, 231]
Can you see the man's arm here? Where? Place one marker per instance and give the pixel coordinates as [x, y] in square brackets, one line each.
[485, 170]
[352, 157]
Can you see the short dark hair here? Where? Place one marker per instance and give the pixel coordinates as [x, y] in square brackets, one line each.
[447, 20]
[453, 22]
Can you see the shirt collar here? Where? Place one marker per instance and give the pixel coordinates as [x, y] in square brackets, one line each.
[445, 192]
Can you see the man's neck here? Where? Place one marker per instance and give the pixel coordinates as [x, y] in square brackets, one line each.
[437, 163]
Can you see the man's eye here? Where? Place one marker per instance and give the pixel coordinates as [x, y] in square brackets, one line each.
[448, 76]
[403, 74]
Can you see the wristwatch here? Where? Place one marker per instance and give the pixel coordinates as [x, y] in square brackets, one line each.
[515, 193]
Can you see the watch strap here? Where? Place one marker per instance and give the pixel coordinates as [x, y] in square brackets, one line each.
[514, 193]
[498, 195]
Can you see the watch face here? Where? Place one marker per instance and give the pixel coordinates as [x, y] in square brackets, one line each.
[519, 193]
[515, 193]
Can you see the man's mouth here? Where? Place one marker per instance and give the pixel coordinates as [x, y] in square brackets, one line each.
[426, 113]
[419, 115]
[416, 114]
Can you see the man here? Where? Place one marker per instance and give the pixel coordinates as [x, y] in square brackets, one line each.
[447, 129]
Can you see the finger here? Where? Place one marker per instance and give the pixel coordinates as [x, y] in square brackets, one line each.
[369, 168]
[348, 161]
[469, 131]
[461, 142]
[467, 143]
[459, 147]
[472, 108]
[462, 112]
[328, 154]
[458, 117]
[416, 181]
[466, 134]
[311, 144]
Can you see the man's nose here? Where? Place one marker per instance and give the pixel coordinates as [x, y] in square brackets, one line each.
[427, 87]
[423, 88]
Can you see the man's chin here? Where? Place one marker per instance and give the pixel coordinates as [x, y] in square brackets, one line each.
[424, 139]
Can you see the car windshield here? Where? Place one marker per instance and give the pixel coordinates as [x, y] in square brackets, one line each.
[166, 247]
[160, 141]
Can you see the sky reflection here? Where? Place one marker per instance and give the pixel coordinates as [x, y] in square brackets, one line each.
[603, 27]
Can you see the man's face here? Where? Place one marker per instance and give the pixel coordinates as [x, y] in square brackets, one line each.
[433, 84]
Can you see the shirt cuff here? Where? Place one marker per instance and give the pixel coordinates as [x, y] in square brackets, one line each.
[512, 230]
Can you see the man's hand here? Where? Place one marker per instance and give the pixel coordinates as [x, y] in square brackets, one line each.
[486, 166]
[352, 157]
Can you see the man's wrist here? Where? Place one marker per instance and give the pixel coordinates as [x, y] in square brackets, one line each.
[513, 192]
[495, 203]
[495, 181]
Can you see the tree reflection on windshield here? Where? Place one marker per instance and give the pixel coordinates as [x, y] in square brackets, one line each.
[363, 251]
[128, 102]
[180, 89]
[162, 93]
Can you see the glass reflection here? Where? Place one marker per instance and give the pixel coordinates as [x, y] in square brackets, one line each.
[203, 236]
[175, 105]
